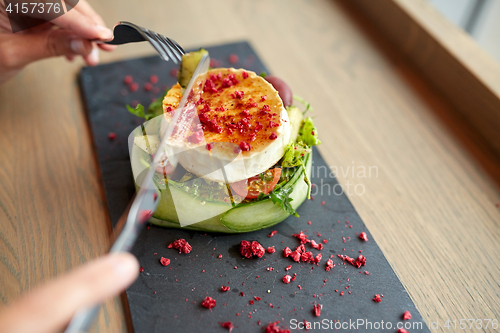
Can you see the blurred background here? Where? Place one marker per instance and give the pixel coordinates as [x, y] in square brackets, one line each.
[480, 18]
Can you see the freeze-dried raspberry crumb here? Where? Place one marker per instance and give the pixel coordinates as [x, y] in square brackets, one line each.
[295, 255]
[274, 232]
[242, 294]
[363, 236]
[316, 246]
[402, 330]
[111, 135]
[302, 237]
[251, 301]
[208, 302]
[346, 258]
[224, 288]
[228, 325]
[306, 256]
[294, 276]
[325, 241]
[317, 309]
[289, 267]
[377, 298]
[257, 298]
[270, 269]
[287, 252]
[180, 244]
[329, 265]
[257, 249]
[287, 278]
[367, 273]
[361, 261]
[128, 79]
[164, 261]
[274, 328]
[141, 269]
[153, 79]
[233, 58]
[407, 315]
[271, 249]
[317, 259]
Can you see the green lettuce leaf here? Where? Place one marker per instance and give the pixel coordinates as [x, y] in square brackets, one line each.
[282, 198]
[154, 109]
[308, 133]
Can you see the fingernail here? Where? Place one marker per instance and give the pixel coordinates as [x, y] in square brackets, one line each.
[77, 46]
[105, 32]
[94, 55]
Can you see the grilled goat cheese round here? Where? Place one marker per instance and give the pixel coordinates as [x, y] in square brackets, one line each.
[235, 118]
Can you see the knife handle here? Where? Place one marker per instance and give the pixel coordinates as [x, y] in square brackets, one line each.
[82, 320]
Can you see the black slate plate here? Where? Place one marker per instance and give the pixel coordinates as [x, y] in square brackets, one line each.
[168, 299]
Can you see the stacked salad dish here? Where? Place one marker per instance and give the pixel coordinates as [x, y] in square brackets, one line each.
[243, 151]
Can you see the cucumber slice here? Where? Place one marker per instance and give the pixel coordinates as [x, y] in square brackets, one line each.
[295, 116]
[265, 213]
[188, 66]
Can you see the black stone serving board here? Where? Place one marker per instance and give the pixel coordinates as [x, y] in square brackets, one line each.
[168, 299]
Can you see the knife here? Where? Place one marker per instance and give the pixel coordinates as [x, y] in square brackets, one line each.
[144, 203]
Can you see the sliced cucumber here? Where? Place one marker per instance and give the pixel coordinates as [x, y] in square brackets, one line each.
[188, 66]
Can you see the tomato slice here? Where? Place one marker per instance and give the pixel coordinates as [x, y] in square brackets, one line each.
[164, 166]
[263, 183]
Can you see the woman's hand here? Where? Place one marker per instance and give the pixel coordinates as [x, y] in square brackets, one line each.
[50, 307]
[68, 35]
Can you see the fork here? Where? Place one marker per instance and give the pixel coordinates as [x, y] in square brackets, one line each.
[126, 32]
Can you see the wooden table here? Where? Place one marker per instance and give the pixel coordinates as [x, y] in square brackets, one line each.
[432, 207]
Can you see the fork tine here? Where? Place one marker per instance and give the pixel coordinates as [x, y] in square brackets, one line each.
[164, 46]
[176, 48]
[158, 45]
[170, 49]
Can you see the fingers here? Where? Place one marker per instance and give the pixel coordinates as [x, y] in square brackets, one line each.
[83, 25]
[50, 307]
[16, 51]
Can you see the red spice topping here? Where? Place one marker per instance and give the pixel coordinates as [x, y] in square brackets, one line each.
[307, 257]
[257, 298]
[244, 74]
[271, 249]
[153, 79]
[406, 315]
[322, 203]
[233, 58]
[224, 288]
[402, 330]
[266, 108]
[287, 278]
[248, 250]
[245, 146]
[251, 302]
[170, 109]
[287, 252]
[294, 276]
[295, 255]
[263, 98]
[317, 259]
[242, 294]
[180, 244]
[148, 86]
[329, 265]
[363, 236]
[289, 267]
[164, 261]
[228, 325]
[128, 79]
[210, 87]
[346, 258]
[361, 261]
[377, 298]
[317, 309]
[302, 237]
[274, 232]
[316, 246]
[134, 86]
[208, 302]
[141, 269]
[238, 94]
[273, 136]
[274, 328]
[273, 124]
[111, 135]
[341, 293]
[270, 269]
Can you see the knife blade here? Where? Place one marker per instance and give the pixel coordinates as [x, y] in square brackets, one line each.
[146, 200]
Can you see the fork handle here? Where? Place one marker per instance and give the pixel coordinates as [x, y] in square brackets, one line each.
[124, 34]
